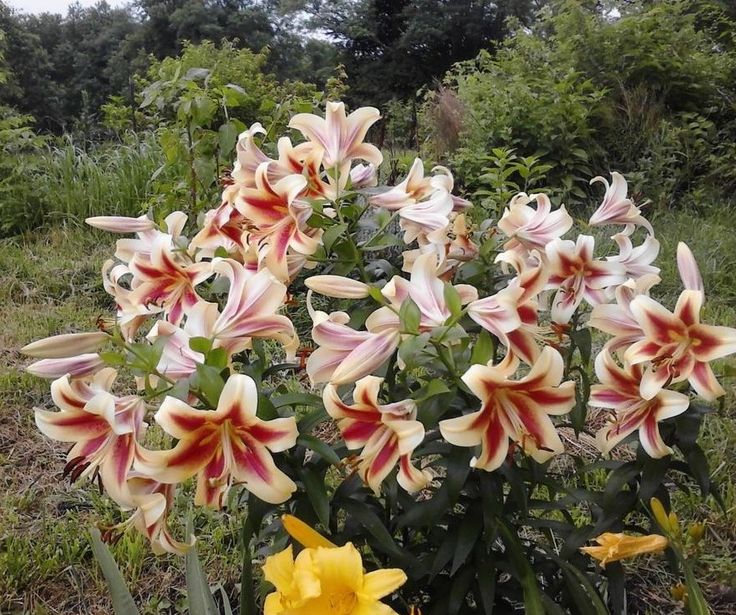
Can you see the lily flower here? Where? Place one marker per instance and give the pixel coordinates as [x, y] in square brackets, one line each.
[142, 245]
[131, 314]
[337, 286]
[617, 318]
[637, 261]
[345, 355]
[619, 389]
[340, 135]
[327, 580]
[224, 227]
[386, 433]
[164, 281]
[615, 547]
[515, 409]
[616, 208]
[253, 301]
[227, 445]
[424, 204]
[151, 502]
[678, 346]
[363, 176]
[577, 276]
[105, 429]
[532, 229]
[178, 360]
[512, 313]
[279, 218]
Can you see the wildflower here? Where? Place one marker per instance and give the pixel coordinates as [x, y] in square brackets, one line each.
[386, 433]
[615, 547]
[516, 409]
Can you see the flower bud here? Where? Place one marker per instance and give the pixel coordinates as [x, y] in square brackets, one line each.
[660, 515]
[67, 345]
[679, 592]
[696, 531]
[121, 224]
[76, 367]
[338, 287]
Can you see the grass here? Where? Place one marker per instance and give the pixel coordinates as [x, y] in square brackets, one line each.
[49, 283]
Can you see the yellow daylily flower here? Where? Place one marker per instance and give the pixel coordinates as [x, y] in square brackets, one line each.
[614, 547]
[327, 581]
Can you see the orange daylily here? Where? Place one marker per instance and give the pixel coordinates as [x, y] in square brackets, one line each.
[615, 547]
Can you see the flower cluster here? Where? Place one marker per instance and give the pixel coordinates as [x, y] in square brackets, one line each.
[488, 309]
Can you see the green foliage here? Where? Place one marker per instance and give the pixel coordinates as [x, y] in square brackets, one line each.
[648, 93]
[199, 102]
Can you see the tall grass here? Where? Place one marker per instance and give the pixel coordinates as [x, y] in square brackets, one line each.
[109, 179]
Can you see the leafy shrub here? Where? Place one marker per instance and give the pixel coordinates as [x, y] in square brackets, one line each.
[649, 93]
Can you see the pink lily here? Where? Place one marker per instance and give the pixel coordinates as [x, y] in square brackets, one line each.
[617, 208]
[678, 346]
[424, 204]
[345, 355]
[620, 391]
[340, 135]
[516, 409]
[127, 248]
[532, 229]
[224, 446]
[131, 314]
[81, 366]
[165, 281]
[253, 300]
[387, 434]
[512, 313]
[637, 261]
[224, 227]
[577, 276]
[688, 268]
[105, 429]
[178, 360]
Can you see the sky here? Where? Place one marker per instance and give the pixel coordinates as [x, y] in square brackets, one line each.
[54, 6]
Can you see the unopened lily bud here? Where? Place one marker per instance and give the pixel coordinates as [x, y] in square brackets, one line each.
[660, 515]
[679, 592]
[76, 367]
[67, 345]
[696, 531]
[121, 224]
[338, 287]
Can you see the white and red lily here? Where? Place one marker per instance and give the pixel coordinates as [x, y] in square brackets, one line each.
[617, 318]
[677, 346]
[278, 218]
[167, 281]
[532, 229]
[616, 208]
[225, 446]
[577, 276]
[636, 260]
[619, 390]
[513, 409]
[105, 429]
[340, 136]
[386, 433]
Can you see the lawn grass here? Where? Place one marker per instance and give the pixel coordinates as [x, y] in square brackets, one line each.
[50, 283]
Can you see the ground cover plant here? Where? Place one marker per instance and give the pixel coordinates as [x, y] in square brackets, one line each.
[485, 511]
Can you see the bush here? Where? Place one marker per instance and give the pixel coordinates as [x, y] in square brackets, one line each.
[649, 93]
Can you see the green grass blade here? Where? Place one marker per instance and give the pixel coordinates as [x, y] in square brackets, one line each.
[122, 601]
